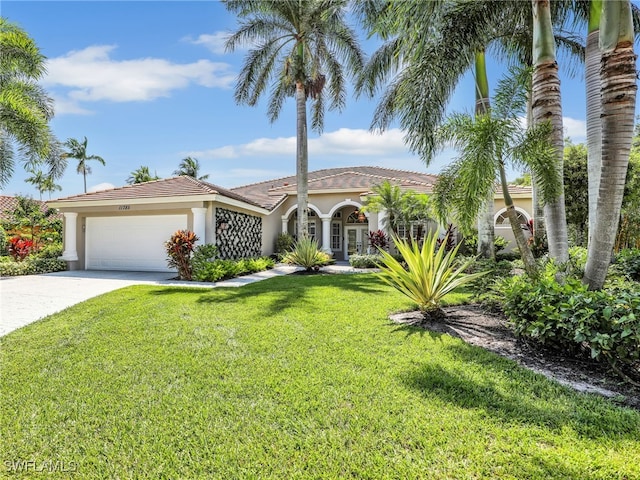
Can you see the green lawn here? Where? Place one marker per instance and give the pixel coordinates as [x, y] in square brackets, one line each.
[294, 377]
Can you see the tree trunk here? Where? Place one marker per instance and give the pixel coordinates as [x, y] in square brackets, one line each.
[547, 107]
[618, 94]
[529, 261]
[594, 124]
[302, 161]
[539, 229]
[486, 231]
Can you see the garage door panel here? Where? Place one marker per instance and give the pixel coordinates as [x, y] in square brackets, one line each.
[130, 243]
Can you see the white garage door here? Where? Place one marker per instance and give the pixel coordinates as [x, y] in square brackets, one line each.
[130, 243]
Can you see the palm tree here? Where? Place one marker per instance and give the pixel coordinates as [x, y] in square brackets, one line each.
[25, 107]
[547, 107]
[618, 96]
[433, 45]
[388, 198]
[190, 167]
[486, 143]
[594, 127]
[142, 175]
[43, 183]
[78, 151]
[486, 230]
[299, 47]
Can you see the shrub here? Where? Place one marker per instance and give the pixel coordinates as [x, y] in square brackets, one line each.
[484, 287]
[219, 269]
[19, 248]
[52, 250]
[364, 261]
[470, 244]
[378, 239]
[31, 266]
[307, 255]
[431, 272]
[284, 244]
[179, 249]
[3, 242]
[202, 256]
[627, 262]
[569, 317]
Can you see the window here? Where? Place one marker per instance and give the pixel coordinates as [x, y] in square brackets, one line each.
[336, 236]
[311, 227]
[502, 220]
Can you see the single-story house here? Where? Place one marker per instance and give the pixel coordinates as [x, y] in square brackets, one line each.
[125, 228]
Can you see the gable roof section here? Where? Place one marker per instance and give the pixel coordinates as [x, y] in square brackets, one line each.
[271, 192]
[169, 188]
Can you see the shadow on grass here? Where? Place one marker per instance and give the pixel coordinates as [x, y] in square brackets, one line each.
[281, 292]
[515, 395]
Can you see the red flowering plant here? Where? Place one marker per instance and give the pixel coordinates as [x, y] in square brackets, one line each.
[180, 249]
[378, 239]
[20, 248]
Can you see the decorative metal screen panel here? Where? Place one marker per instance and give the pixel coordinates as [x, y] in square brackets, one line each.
[238, 235]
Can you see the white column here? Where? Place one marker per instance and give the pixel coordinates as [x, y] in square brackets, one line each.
[70, 253]
[285, 221]
[326, 233]
[381, 216]
[200, 223]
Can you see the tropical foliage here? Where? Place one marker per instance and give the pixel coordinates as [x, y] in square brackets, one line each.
[78, 151]
[179, 250]
[486, 143]
[25, 108]
[431, 272]
[568, 316]
[299, 49]
[402, 208]
[308, 255]
[141, 175]
[32, 220]
[189, 167]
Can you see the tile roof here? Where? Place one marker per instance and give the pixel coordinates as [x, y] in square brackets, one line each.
[166, 187]
[269, 193]
[8, 203]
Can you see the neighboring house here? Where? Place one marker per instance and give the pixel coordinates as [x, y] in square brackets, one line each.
[125, 228]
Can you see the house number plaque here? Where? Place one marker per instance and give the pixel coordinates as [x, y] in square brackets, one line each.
[124, 207]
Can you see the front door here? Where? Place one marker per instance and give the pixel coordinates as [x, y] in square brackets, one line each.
[356, 240]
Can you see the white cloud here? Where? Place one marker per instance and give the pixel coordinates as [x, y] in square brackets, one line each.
[92, 75]
[343, 142]
[101, 186]
[213, 42]
[64, 106]
[575, 129]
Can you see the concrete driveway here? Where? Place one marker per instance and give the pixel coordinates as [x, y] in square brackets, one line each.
[25, 299]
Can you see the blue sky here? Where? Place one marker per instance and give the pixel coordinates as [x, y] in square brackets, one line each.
[148, 83]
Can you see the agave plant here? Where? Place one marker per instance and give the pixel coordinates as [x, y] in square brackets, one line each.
[307, 254]
[430, 273]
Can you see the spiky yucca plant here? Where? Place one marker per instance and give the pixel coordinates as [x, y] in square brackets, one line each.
[430, 273]
[307, 254]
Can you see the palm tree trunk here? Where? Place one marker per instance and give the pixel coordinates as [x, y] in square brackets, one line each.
[539, 229]
[486, 232]
[84, 176]
[302, 160]
[618, 94]
[547, 107]
[529, 261]
[594, 124]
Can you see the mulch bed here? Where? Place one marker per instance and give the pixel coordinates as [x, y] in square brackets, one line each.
[491, 331]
